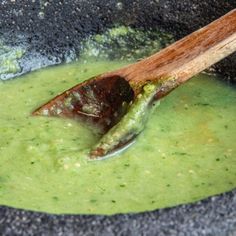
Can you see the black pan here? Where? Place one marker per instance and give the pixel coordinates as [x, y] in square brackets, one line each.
[51, 32]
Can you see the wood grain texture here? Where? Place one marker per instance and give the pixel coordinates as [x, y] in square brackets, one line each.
[188, 56]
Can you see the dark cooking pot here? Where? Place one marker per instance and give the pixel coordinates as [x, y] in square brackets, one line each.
[51, 32]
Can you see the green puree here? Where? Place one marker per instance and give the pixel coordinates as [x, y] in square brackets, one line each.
[186, 153]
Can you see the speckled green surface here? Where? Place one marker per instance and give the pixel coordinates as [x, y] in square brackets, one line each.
[185, 154]
[125, 43]
[9, 57]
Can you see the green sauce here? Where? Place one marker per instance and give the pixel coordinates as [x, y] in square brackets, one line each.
[186, 152]
[9, 60]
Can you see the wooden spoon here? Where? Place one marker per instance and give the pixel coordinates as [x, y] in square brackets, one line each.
[100, 100]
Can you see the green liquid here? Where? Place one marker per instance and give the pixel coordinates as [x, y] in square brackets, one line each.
[186, 153]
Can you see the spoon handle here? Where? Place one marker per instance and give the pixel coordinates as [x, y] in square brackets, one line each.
[188, 56]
